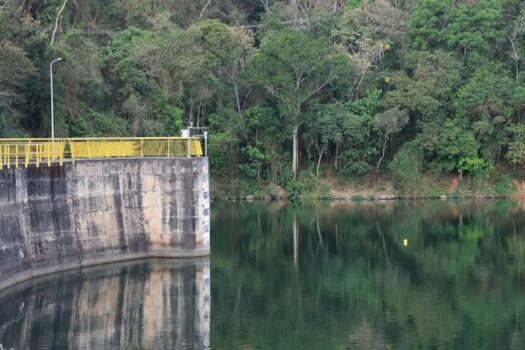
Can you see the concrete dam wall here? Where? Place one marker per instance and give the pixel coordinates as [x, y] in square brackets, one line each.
[96, 211]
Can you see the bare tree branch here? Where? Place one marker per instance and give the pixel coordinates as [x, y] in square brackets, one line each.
[56, 22]
[204, 9]
[266, 5]
[315, 91]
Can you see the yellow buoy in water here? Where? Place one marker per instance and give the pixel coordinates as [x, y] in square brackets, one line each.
[405, 242]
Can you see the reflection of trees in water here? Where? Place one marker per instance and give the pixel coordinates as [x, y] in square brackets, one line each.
[141, 305]
[343, 274]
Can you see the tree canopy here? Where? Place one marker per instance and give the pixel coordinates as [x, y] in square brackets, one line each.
[285, 86]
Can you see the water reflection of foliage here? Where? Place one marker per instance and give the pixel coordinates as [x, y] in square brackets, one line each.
[456, 285]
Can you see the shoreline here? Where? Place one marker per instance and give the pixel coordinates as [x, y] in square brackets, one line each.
[446, 187]
[362, 198]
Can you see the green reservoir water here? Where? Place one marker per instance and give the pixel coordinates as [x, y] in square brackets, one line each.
[393, 275]
[346, 281]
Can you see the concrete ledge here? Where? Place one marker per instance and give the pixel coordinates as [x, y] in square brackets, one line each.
[32, 274]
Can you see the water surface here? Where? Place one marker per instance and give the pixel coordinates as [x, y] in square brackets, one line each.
[344, 278]
[394, 275]
[154, 304]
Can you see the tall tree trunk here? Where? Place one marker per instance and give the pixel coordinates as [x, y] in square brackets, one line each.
[295, 153]
[516, 58]
[319, 160]
[295, 241]
[382, 155]
[237, 96]
[57, 19]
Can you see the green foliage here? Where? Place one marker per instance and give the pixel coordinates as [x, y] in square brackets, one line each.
[255, 161]
[352, 4]
[97, 124]
[406, 168]
[452, 143]
[426, 85]
[357, 124]
[473, 166]
[390, 121]
[248, 187]
[170, 118]
[119, 58]
[487, 92]
[295, 189]
[293, 67]
[458, 26]
[501, 187]
[516, 152]
[358, 198]
[15, 70]
[349, 85]
[219, 151]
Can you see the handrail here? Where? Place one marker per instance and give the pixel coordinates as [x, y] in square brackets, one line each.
[97, 138]
[15, 152]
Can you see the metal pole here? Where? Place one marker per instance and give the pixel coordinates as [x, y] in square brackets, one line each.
[205, 143]
[52, 105]
[52, 108]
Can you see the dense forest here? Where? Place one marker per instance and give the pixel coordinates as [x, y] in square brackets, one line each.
[290, 89]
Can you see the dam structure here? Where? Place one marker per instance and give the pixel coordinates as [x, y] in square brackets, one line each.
[69, 203]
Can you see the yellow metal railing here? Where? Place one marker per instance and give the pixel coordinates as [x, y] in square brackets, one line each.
[16, 152]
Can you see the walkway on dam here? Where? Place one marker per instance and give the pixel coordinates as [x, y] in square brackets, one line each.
[25, 152]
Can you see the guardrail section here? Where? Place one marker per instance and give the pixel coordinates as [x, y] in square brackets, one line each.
[15, 152]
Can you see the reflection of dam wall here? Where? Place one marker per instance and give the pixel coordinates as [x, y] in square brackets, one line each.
[153, 305]
[54, 218]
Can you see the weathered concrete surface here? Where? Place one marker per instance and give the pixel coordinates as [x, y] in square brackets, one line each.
[97, 211]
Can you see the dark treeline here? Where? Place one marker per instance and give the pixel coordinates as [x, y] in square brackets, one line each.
[287, 87]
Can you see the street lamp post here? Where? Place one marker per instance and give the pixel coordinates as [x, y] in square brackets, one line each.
[52, 106]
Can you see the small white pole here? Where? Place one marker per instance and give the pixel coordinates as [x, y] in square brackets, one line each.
[205, 143]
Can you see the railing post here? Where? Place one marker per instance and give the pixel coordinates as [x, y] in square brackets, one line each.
[27, 147]
[8, 157]
[61, 156]
[189, 147]
[49, 154]
[37, 155]
[71, 151]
